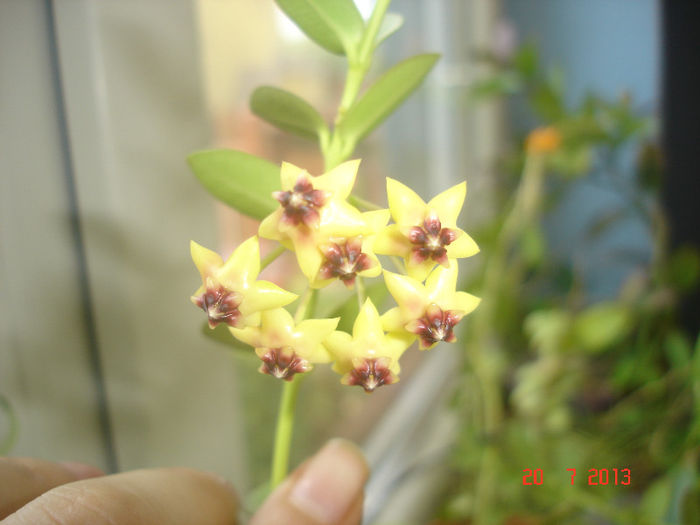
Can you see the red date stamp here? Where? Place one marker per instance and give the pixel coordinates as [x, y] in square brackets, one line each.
[596, 476]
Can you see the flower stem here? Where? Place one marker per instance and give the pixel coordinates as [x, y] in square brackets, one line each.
[283, 433]
[288, 402]
[360, 289]
[359, 202]
[270, 257]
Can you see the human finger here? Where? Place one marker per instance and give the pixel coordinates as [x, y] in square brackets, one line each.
[326, 490]
[23, 479]
[168, 496]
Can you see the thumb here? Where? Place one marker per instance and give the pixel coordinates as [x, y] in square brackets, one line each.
[326, 490]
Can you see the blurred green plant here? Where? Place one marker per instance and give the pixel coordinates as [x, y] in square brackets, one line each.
[562, 381]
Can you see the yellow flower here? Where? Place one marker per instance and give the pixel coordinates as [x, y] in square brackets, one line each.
[429, 311]
[543, 140]
[313, 210]
[346, 258]
[285, 348]
[424, 234]
[230, 293]
[369, 358]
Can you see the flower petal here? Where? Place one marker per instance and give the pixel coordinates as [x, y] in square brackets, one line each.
[367, 325]
[264, 295]
[464, 302]
[408, 293]
[339, 180]
[340, 219]
[392, 320]
[269, 227]
[442, 282]
[448, 204]
[289, 175]
[463, 246]
[419, 271]
[242, 267]
[376, 219]
[407, 208]
[390, 241]
[207, 261]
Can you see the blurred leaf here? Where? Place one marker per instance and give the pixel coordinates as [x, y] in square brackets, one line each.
[335, 25]
[677, 349]
[525, 60]
[601, 325]
[547, 330]
[221, 335]
[244, 182]
[650, 166]
[656, 500]
[391, 24]
[349, 309]
[533, 245]
[548, 103]
[288, 112]
[385, 95]
[684, 268]
[498, 85]
[571, 161]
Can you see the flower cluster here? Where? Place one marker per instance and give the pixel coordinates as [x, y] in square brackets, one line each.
[334, 241]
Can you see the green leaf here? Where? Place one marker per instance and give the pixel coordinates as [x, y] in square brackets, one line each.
[601, 325]
[221, 335]
[244, 182]
[288, 112]
[498, 85]
[335, 25]
[391, 24]
[385, 95]
[526, 60]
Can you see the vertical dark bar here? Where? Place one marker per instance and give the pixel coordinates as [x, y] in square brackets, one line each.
[94, 358]
[681, 132]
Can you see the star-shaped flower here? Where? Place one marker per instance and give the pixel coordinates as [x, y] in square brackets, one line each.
[345, 259]
[424, 234]
[313, 210]
[284, 347]
[230, 293]
[429, 311]
[369, 358]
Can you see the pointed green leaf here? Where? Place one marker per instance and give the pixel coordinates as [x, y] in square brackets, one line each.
[391, 24]
[385, 95]
[288, 112]
[335, 25]
[244, 182]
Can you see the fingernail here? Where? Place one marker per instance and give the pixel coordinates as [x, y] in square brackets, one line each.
[82, 470]
[331, 482]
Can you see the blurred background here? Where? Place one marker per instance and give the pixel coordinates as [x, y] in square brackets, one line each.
[583, 354]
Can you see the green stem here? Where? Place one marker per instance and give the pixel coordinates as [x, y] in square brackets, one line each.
[334, 152]
[283, 432]
[270, 257]
[487, 366]
[360, 289]
[366, 205]
[288, 402]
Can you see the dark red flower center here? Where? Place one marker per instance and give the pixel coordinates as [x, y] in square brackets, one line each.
[344, 261]
[283, 363]
[431, 240]
[436, 325]
[221, 306]
[302, 204]
[371, 374]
